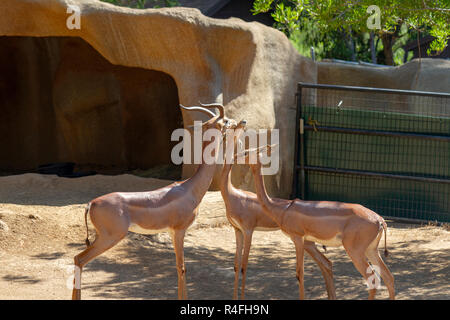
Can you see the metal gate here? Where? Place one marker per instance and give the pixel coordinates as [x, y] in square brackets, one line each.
[388, 150]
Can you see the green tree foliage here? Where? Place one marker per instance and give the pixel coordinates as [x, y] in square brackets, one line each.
[334, 23]
[142, 4]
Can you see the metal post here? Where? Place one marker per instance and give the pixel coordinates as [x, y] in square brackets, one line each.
[313, 54]
[299, 153]
[301, 133]
[296, 148]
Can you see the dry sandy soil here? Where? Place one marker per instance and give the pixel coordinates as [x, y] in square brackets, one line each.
[42, 228]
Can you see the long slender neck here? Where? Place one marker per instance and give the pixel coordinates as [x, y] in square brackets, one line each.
[201, 180]
[199, 183]
[270, 208]
[226, 187]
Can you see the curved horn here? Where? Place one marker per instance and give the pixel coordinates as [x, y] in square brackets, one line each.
[215, 105]
[204, 110]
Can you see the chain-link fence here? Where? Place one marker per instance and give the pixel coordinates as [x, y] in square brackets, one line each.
[388, 150]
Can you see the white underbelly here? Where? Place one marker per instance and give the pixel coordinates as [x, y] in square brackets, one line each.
[336, 241]
[266, 229]
[236, 224]
[137, 229]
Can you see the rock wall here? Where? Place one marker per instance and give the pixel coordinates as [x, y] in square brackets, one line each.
[128, 68]
[421, 75]
[250, 68]
[426, 74]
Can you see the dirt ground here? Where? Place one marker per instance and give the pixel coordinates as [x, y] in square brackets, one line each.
[42, 228]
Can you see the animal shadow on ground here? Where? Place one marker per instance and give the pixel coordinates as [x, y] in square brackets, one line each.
[26, 280]
[148, 272]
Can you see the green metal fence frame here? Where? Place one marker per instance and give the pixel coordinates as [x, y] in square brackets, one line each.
[300, 167]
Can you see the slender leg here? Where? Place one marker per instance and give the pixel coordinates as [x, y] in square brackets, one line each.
[325, 266]
[184, 285]
[100, 245]
[178, 244]
[247, 243]
[299, 249]
[375, 258]
[360, 261]
[237, 261]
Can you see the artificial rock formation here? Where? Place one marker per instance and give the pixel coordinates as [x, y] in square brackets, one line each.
[79, 105]
[108, 93]
[426, 74]
[420, 74]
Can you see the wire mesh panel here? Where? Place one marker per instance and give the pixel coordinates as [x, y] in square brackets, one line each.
[386, 196]
[388, 150]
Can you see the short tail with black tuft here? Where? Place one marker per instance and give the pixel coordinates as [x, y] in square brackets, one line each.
[86, 211]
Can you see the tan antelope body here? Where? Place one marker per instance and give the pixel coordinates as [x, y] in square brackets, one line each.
[356, 228]
[245, 213]
[172, 208]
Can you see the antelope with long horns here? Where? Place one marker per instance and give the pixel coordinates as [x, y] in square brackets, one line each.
[356, 228]
[172, 208]
[245, 214]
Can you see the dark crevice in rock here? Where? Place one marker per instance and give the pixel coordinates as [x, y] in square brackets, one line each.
[62, 101]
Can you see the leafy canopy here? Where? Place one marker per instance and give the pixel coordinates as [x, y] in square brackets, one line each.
[141, 4]
[432, 16]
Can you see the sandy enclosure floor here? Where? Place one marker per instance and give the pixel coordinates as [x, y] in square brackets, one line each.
[42, 228]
